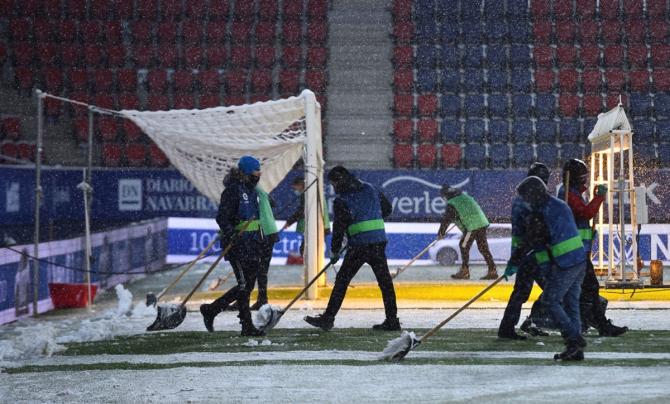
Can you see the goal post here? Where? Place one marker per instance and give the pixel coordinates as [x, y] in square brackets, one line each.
[204, 144]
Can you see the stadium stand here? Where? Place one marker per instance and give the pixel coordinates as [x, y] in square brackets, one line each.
[519, 81]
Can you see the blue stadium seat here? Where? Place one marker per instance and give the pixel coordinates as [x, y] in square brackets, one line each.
[498, 131]
[470, 12]
[472, 56]
[475, 155]
[426, 32]
[664, 154]
[519, 31]
[499, 154]
[517, 8]
[569, 130]
[662, 105]
[571, 150]
[520, 80]
[497, 80]
[449, 31]
[424, 10]
[450, 105]
[644, 154]
[663, 130]
[496, 56]
[522, 131]
[522, 105]
[548, 154]
[450, 81]
[545, 105]
[496, 30]
[472, 31]
[498, 105]
[473, 80]
[446, 9]
[644, 131]
[640, 105]
[474, 105]
[545, 131]
[523, 155]
[426, 80]
[451, 131]
[587, 127]
[450, 56]
[519, 56]
[474, 131]
[494, 8]
[426, 56]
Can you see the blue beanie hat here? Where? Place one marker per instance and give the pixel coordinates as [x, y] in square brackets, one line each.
[248, 165]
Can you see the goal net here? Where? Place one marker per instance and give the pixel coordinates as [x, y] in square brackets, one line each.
[204, 144]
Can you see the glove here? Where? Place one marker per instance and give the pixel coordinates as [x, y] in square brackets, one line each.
[510, 270]
[601, 190]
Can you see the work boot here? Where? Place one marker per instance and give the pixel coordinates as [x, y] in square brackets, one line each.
[320, 321]
[608, 329]
[463, 273]
[259, 303]
[510, 334]
[573, 352]
[531, 329]
[249, 330]
[208, 315]
[490, 275]
[389, 324]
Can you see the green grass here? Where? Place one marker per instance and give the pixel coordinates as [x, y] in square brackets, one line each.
[459, 340]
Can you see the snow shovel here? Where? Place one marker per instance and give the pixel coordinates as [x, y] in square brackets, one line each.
[268, 316]
[152, 299]
[398, 348]
[171, 316]
[432, 243]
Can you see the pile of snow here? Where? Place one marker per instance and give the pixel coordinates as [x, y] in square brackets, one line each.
[125, 302]
[30, 341]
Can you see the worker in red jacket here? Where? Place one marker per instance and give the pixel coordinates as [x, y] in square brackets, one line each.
[575, 175]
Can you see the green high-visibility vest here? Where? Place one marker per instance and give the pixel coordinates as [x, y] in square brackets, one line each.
[267, 219]
[300, 225]
[470, 215]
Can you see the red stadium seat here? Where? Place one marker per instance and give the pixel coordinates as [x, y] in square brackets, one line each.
[133, 133]
[254, 98]
[402, 130]
[53, 107]
[316, 80]
[635, 31]
[191, 31]
[289, 82]
[588, 33]
[426, 155]
[240, 32]
[244, 10]
[291, 57]
[194, 57]
[613, 55]
[8, 149]
[231, 100]
[107, 128]
[543, 56]
[403, 32]
[402, 10]
[317, 33]
[3, 53]
[141, 31]
[210, 81]
[101, 9]
[209, 101]
[104, 100]
[658, 31]
[126, 80]
[158, 102]
[544, 80]
[540, 9]
[566, 31]
[451, 155]
[156, 156]
[216, 56]
[593, 104]
[52, 79]
[612, 32]
[116, 56]
[661, 79]
[93, 55]
[235, 81]
[78, 110]
[182, 81]
[317, 9]
[427, 104]
[78, 80]
[90, 31]
[215, 33]
[44, 30]
[26, 8]
[167, 32]
[48, 54]
[293, 10]
[568, 104]
[265, 56]
[171, 9]
[403, 105]
[265, 32]
[615, 80]
[403, 155]
[427, 130]
[103, 80]
[219, 10]
[563, 9]
[268, 10]
[542, 32]
[612, 101]
[240, 56]
[20, 29]
[590, 56]
[66, 32]
[111, 154]
[317, 57]
[633, 10]
[657, 9]
[566, 55]
[49, 9]
[637, 55]
[403, 56]
[167, 57]
[591, 81]
[112, 32]
[157, 80]
[291, 32]
[129, 101]
[24, 78]
[638, 80]
[261, 81]
[143, 56]
[26, 151]
[660, 55]
[403, 80]
[147, 9]
[196, 9]
[183, 101]
[11, 126]
[609, 9]
[124, 9]
[24, 54]
[80, 129]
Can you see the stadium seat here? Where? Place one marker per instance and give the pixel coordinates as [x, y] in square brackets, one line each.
[240, 31]
[191, 32]
[593, 104]
[662, 105]
[426, 56]
[157, 80]
[26, 151]
[497, 31]
[52, 79]
[107, 128]
[542, 31]
[496, 57]
[644, 131]
[142, 56]
[635, 31]
[611, 32]
[544, 80]
[240, 56]
[449, 32]
[167, 57]
[426, 80]
[194, 57]
[156, 156]
[451, 131]
[215, 33]
[569, 131]
[498, 105]
[499, 154]
[182, 81]
[591, 81]
[568, 104]
[11, 127]
[316, 80]
[522, 131]
[640, 105]
[566, 55]
[497, 80]
[427, 130]
[403, 56]
[403, 81]
[520, 80]
[589, 56]
[171, 10]
[402, 130]
[48, 54]
[519, 30]
[183, 101]
[403, 105]
[519, 56]
[567, 80]
[450, 106]
[613, 56]
[661, 79]
[402, 10]
[522, 105]
[563, 9]
[265, 57]
[317, 9]
[451, 155]
[571, 151]
[136, 154]
[235, 81]
[166, 33]
[450, 56]
[291, 32]
[158, 102]
[473, 80]
[427, 105]
[660, 55]
[638, 80]
[8, 149]
[129, 101]
[293, 9]
[261, 81]
[663, 131]
[209, 101]
[472, 31]
[472, 56]
[545, 105]
[403, 32]
[545, 131]
[475, 155]
[548, 154]
[450, 81]
[523, 155]
[474, 106]
[475, 131]
[498, 131]
[637, 55]
[403, 155]
[615, 80]
[291, 57]
[289, 82]
[658, 31]
[425, 32]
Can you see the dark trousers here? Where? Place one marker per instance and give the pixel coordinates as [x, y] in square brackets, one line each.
[592, 312]
[246, 270]
[465, 244]
[356, 256]
[528, 273]
[262, 276]
[561, 296]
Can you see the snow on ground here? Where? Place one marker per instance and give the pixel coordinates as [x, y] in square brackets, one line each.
[321, 383]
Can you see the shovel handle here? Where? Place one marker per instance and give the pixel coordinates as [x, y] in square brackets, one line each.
[211, 268]
[465, 306]
[310, 283]
[188, 267]
[432, 243]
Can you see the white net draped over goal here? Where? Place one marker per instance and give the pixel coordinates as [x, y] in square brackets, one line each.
[203, 144]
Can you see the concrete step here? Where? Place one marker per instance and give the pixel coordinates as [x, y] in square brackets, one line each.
[359, 126]
[360, 5]
[346, 81]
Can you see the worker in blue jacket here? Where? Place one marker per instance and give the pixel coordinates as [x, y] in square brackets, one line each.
[549, 229]
[240, 207]
[360, 210]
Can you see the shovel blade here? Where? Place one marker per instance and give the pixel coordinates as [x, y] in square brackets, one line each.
[267, 317]
[151, 300]
[168, 317]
